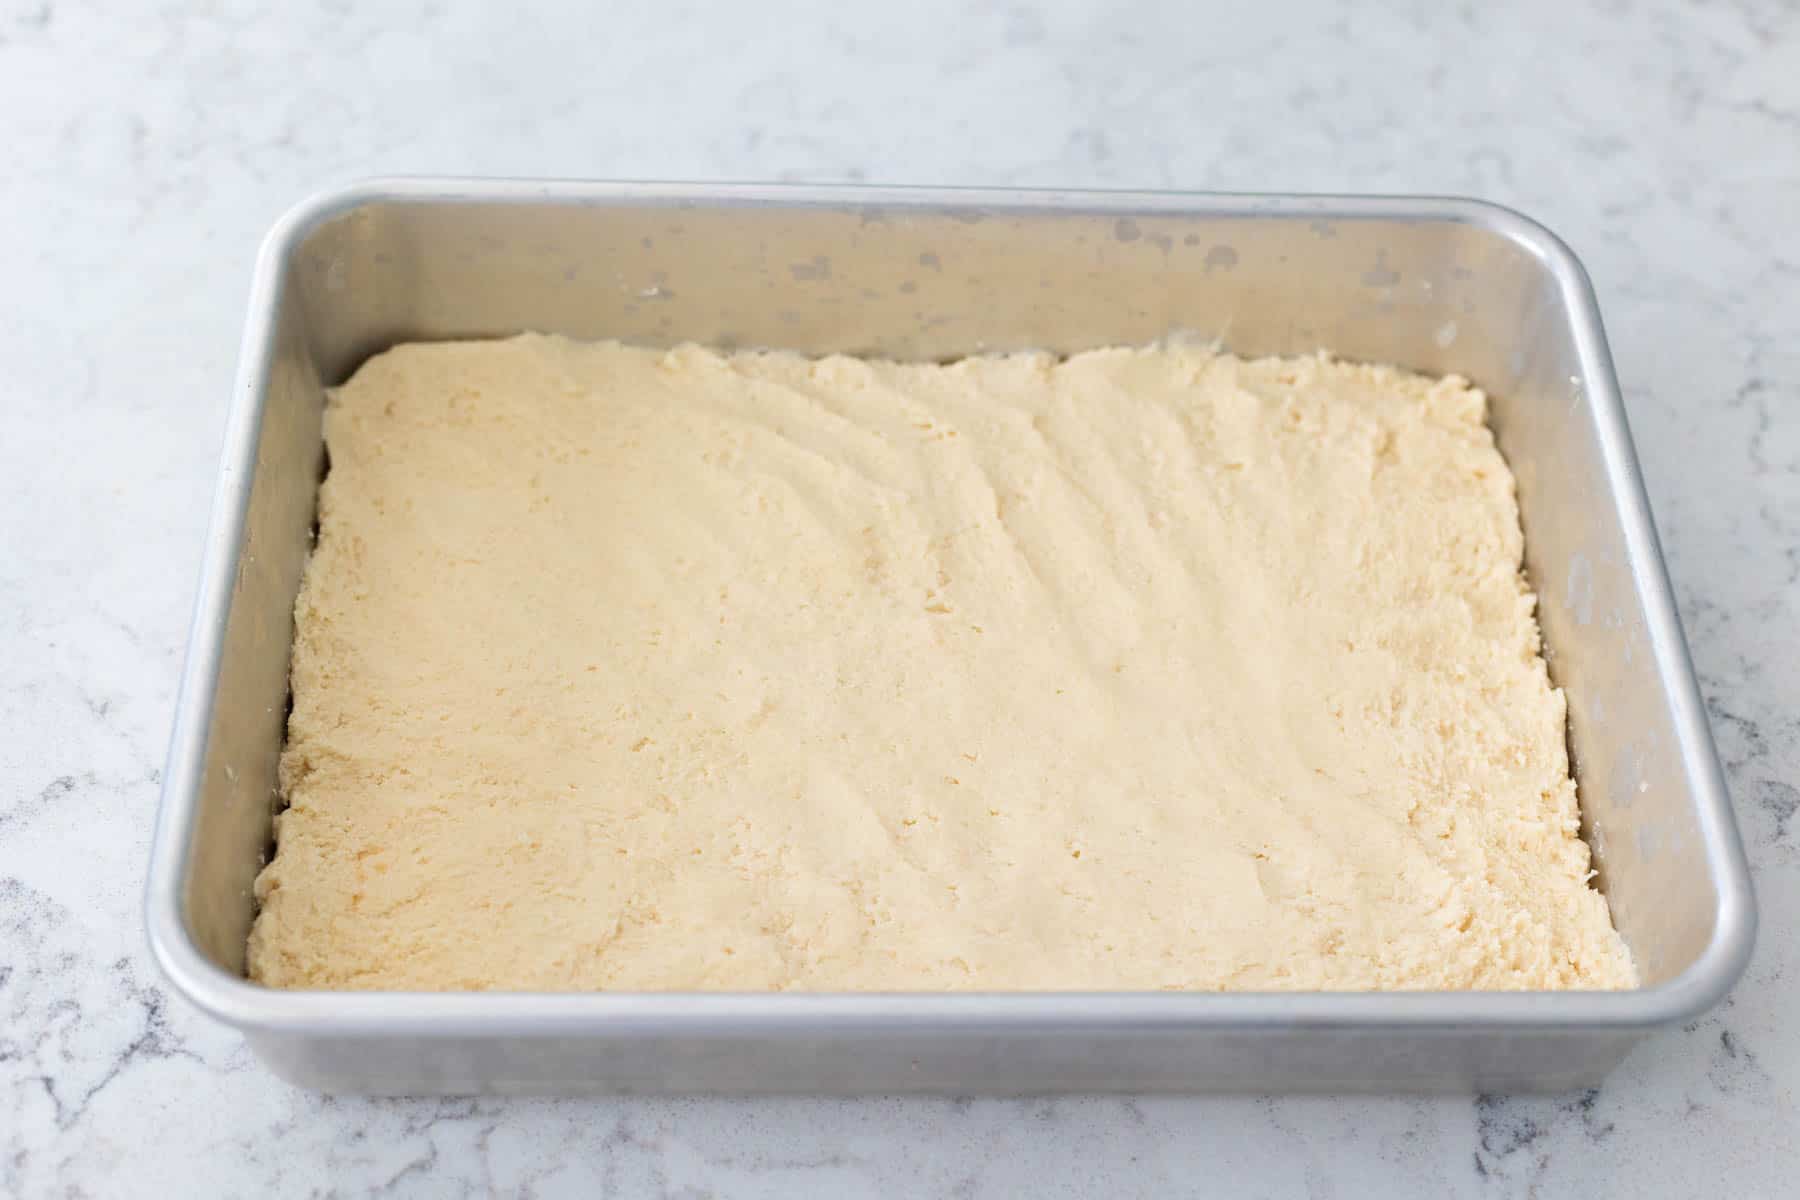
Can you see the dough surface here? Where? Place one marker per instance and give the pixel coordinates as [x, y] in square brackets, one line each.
[622, 668]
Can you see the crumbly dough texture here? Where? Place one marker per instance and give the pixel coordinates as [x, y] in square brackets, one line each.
[622, 668]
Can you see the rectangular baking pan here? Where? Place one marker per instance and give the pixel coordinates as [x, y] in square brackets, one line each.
[1434, 284]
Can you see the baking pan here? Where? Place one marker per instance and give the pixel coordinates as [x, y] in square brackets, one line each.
[1434, 284]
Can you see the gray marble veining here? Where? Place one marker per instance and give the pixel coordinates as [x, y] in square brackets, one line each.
[149, 146]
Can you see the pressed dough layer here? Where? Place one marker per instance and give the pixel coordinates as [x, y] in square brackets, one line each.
[621, 668]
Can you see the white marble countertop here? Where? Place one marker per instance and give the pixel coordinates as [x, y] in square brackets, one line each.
[148, 150]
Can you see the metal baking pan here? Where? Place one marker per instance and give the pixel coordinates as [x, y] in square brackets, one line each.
[1438, 285]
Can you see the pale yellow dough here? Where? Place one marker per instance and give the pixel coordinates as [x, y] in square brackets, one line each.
[629, 669]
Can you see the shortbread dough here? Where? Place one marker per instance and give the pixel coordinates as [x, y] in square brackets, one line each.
[622, 668]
